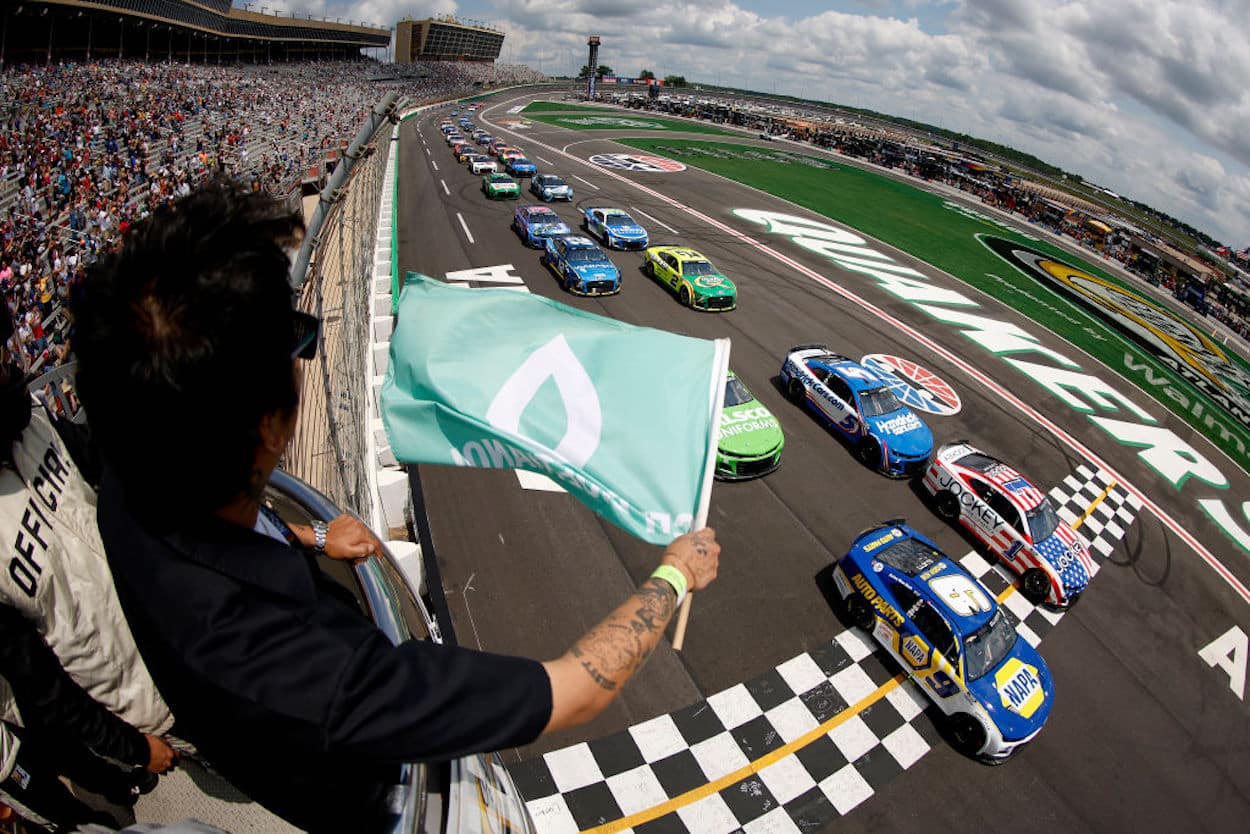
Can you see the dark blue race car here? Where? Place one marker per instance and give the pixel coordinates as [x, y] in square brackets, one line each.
[580, 266]
[519, 166]
[949, 634]
[535, 224]
[859, 405]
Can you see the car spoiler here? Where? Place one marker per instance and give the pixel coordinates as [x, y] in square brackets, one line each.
[880, 525]
[813, 346]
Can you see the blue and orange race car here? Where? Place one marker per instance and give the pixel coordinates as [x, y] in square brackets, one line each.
[950, 636]
[859, 405]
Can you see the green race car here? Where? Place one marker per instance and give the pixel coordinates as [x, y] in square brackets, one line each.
[500, 186]
[750, 436]
[691, 277]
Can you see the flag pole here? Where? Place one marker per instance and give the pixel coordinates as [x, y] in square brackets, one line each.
[716, 401]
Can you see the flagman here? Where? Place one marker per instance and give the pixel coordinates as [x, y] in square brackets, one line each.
[189, 369]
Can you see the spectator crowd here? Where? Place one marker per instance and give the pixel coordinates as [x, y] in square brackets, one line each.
[88, 149]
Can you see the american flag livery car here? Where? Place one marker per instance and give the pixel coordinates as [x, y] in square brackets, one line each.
[950, 636]
[1013, 519]
[859, 405]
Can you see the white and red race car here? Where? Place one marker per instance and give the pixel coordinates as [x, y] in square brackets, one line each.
[1013, 519]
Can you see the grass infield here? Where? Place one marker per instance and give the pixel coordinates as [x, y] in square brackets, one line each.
[564, 107]
[623, 120]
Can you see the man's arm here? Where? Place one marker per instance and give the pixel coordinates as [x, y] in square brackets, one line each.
[586, 678]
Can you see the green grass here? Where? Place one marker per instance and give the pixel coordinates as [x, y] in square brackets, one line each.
[616, 119]
[917, 222]
[561, 107]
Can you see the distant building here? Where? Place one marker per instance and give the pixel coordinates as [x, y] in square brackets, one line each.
[445, 39]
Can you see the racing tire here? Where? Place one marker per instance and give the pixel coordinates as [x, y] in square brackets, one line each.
[860, 613]
[966, 734]
[796, 392]
[686, 299]
[869, 453]
[947, 505]
[1035, 585]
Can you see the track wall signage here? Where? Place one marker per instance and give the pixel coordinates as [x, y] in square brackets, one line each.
[1178, 463]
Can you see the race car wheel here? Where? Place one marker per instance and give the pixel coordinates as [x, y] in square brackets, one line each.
[796, 392]
[869, 452]
[967, 734]
[860, 613]
[947, 505]
[685, 297]
[1035, 585]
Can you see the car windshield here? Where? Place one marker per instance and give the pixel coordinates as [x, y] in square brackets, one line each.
[1042, 520]
[878, 401]
[626, 220]
[986, 647]
[697, 268]
[540, 216]
[553, 182]
[977, 461]
[911, 556]
[581, 256]
[736, 393]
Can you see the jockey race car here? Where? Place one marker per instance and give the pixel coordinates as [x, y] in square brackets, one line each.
[947, 632]
[1014, 519]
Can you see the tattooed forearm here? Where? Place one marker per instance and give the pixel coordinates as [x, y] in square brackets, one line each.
[615, 649]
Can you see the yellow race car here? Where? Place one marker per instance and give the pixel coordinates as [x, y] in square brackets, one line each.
[691, 277]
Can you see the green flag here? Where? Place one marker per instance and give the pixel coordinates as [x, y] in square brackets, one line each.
[623, 417]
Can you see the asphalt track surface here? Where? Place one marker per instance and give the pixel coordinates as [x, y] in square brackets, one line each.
[1144, 736]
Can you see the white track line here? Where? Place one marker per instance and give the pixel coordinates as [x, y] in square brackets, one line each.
[465, 226]
[1177, 528]
[588, 182]
[544, 161]
[445, 190]
[435, 164]
[654, 220]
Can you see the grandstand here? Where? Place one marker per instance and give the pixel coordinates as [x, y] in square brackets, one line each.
[445, 39]
[203, 31]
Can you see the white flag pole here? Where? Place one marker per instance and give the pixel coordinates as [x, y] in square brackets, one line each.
[716, 401]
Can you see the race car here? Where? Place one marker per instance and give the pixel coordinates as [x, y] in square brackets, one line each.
[463, 150]
[480, 164]
[494, 145]
[549, 187]
[507, 152]
[750, 437]
[950, 635]
[580, 266]
[500, 186]
[615, 228]
[535, 224]
[453, 138]
[859, 405]
[483, 138]
[519, 166]
[1013, 519]
[691, 277]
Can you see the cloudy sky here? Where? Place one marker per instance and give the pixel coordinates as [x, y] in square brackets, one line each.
[1147, 97]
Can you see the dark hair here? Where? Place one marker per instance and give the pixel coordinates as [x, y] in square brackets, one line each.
[183, 339]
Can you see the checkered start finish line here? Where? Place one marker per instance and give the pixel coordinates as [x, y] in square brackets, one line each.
[794, 748]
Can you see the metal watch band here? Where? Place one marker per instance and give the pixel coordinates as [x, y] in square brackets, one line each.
[320, 528]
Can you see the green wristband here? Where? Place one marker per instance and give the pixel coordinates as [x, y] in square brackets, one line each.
[674, 577]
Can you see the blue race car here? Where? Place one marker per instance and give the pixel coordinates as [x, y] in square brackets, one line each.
[615, 228]
[537, 223]
[549, 187]
[484, 139]
[948, 633]
[859, 405]
[519, 166]
[580, 266]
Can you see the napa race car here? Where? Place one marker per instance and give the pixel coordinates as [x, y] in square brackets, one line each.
[480, 164]
[859, 405]
[519, 166]
[1013, 519]
[549, 187]
[691, 277]
[534, 224]
[580, 266]
[615, 228]
[463, 152]
[950, 636]
[750, 437]
[500, 186]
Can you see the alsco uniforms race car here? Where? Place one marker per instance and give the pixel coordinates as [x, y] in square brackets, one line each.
[498, 186]
[537, 223]
[691, 277]
[859, 405]
[947, 632]
[1013, 519]
[750, 436]
[615, 228]
[580, 266]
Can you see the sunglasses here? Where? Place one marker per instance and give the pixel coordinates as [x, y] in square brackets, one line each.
[307, 331]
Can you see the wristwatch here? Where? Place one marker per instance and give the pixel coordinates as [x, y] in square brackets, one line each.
[320, 528]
